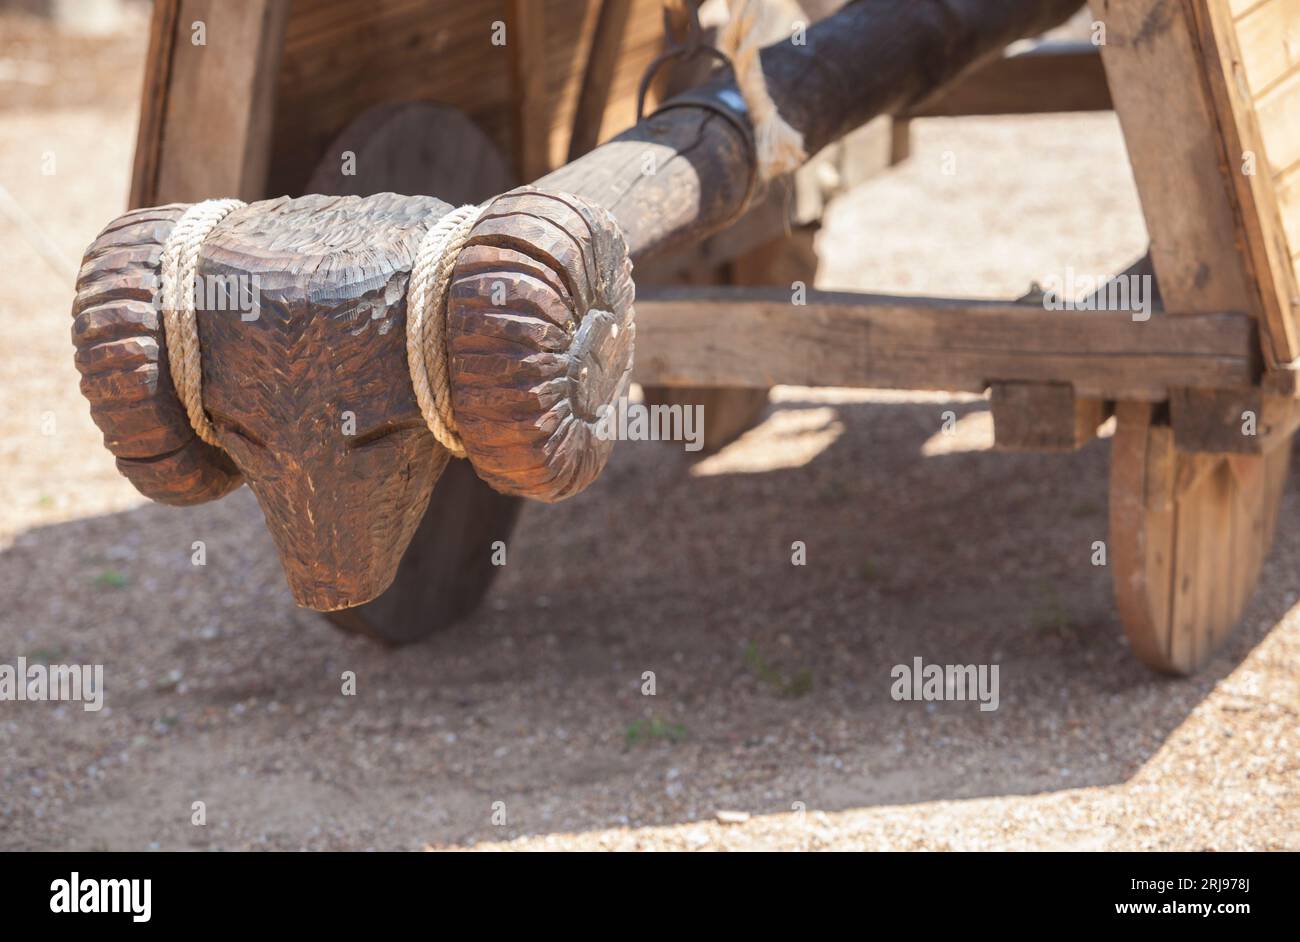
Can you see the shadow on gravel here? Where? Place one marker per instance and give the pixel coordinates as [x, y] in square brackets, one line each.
[772, 681]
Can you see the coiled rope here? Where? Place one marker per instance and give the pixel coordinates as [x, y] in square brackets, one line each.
[426, 322]
[180, 263]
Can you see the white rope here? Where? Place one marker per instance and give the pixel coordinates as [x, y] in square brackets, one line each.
[180, 263]
[426, 315]
[779, 146]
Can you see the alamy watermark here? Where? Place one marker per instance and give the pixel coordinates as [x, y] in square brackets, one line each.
[624, 421]
[241, 294]
[85, 895]
[931, 682]
[1081, 292]
[71, 682]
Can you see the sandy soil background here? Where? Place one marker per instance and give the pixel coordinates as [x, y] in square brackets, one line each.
[772, 726]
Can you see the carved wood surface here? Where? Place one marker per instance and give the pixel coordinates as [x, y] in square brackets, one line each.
[312, 399]
[423, 148]
[121, 352]
[545, 286]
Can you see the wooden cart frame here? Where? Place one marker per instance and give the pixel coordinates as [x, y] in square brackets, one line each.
[1203, 392]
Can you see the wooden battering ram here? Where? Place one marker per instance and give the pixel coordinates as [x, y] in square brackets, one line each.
[376, 526]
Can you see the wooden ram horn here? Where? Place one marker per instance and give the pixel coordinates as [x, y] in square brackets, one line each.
[310, 393]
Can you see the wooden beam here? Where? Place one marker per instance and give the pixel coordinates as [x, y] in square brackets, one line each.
[1184, 144]
[526, 39]
[1257, 144]
[215, 101]
[757, 337]
[1231, 421]
[153, 103]
[1049, 77]
[1043, 417]
[602, 62]
[1051, 416]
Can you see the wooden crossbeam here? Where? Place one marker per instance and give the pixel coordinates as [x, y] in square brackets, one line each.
[1047, 77]
[756, 337]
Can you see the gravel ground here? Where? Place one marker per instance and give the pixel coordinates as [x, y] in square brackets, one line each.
[772, 725]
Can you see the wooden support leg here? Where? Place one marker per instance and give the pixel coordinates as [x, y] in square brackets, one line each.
[424, 149]
[1188, 536]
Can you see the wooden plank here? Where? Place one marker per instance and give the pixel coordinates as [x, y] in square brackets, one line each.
[1261, 231]
[781, 261]
[602, 61]
[1287, 187]
[526, 32]
[1269, 37]
[1279, 124]
[1239, 8]
[215, 130]
[1188, 535]
[1141, 528]
[1050, 77]
[1043, 417]
[153, 103]
[757, 337]
[1203, 587]
[1049, 416]
[1153, 66]
[341, 58]
[1216, 420]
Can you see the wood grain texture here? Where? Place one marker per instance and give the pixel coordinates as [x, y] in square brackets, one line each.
[421, 148]
[447, 569]
[1043, 417]
[540, 340]
[729, 412]
[342, 57]
[1188, 536]
[153, 103]
[526, 25]
[597, 85]
[1246, 421]
[755, 337]
[121, 352]
[312, 398]
[1269, 37]
[412, 148]
[1052, 416]
[1154, 64]
[1264, 129]
[206, 121]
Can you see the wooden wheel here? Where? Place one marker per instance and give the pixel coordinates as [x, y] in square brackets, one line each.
[1188, 536]
[418, 148]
